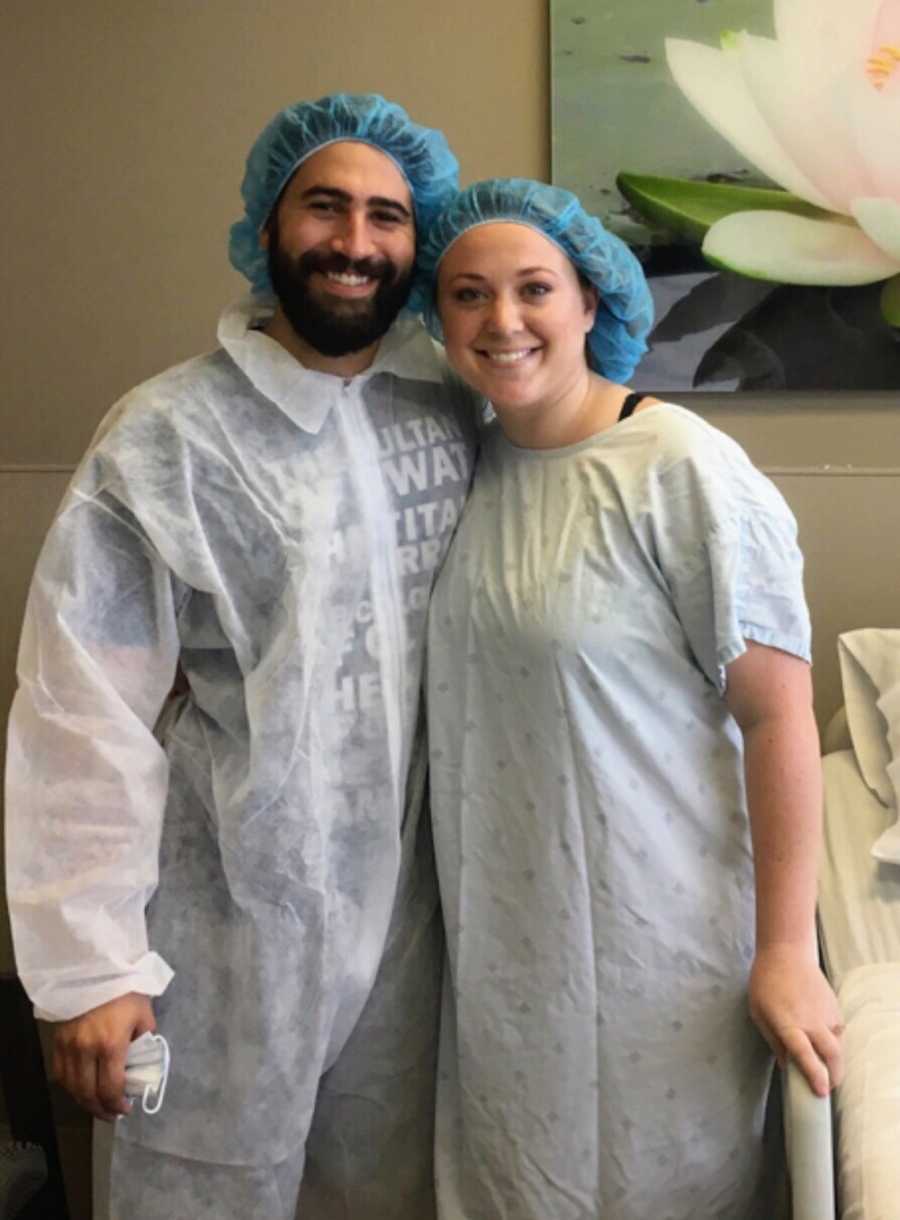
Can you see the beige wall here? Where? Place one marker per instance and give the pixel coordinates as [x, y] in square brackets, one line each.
[132, 121]
[126, 125]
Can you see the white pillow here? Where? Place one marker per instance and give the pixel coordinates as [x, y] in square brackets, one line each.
[887, 846]
[836, 734]
[870, 670]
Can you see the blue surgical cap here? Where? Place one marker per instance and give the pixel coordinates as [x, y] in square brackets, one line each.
[421, 154]
[616, 341]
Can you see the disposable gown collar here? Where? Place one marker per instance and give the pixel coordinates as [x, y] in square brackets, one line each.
[305, 395]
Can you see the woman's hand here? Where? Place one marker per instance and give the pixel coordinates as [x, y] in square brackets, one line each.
[89, 1053]
[798, 1014]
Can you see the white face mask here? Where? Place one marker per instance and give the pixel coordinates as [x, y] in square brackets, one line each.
[147, 1070]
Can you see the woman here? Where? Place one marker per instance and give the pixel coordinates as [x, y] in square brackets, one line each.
[619, 673]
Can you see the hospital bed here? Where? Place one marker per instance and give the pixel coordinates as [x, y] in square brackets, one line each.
[859, 927]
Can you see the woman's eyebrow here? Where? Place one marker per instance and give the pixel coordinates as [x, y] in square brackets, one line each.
[473, 275]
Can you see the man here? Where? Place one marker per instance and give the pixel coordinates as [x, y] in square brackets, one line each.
[269, 518]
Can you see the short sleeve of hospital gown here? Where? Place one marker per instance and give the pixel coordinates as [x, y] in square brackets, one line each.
[726, 545]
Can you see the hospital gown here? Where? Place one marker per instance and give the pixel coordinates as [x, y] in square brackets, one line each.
[276, 532]
[597, 1057]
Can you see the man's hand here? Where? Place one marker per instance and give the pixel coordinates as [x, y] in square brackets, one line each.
[798, 1014]
[89, 1053]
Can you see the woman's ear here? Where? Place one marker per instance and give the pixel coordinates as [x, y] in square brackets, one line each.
[591, 298]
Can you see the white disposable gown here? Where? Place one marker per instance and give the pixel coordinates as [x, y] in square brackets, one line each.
[275, 531]
[597, 1055]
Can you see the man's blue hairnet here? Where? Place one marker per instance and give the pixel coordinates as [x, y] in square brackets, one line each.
[421, 154]
[616, 342]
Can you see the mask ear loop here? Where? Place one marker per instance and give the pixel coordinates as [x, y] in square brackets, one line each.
[160, 1090]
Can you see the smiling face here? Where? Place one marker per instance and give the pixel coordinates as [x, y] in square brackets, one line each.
[515, 317]
[341, 244]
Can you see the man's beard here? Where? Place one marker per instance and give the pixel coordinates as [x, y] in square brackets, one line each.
[336, 327]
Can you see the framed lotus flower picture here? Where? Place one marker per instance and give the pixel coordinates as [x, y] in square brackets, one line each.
[749, 152]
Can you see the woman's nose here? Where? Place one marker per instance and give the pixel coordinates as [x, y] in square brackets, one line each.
[504, 314]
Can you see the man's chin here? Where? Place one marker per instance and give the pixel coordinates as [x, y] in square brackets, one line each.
[357, 311]
[341, 326]
[334, 341]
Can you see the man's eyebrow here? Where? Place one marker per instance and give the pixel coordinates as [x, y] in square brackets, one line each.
[331, 191]
[378, 201]
[381, 201]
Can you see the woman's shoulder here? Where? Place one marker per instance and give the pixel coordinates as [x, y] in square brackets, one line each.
[679, 434]
[694, 459]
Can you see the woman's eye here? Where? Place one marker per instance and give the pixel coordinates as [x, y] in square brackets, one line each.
[537, 290]
[466, 295]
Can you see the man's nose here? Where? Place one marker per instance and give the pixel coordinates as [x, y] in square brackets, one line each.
[353, 237]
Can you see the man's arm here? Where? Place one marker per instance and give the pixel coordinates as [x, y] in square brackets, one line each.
[86, 790]
[769, 693]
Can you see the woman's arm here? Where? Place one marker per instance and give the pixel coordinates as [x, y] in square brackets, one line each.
[769, 693]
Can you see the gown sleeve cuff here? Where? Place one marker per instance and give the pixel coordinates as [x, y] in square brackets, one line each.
[63, 1001]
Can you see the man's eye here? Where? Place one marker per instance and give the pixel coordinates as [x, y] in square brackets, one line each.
[323, 205]
[387, 218]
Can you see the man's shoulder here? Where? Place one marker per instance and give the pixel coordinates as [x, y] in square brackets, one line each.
[442, 371]
[414, 356]
[183, 384]
[168, 399]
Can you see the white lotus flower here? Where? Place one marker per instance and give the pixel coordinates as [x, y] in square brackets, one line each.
[817, 110]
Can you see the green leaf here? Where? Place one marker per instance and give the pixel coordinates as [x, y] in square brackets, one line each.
[687, 208]
[890, 301]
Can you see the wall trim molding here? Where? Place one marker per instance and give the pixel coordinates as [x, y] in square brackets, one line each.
[47, 468]
[828, 471]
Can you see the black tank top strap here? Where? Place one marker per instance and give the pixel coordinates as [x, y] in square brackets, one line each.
[629, 404]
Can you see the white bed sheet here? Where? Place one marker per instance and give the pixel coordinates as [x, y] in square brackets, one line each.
[859, 919]
[859, 897]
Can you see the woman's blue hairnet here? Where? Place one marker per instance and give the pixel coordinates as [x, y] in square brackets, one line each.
[420, 153]
[616, 342]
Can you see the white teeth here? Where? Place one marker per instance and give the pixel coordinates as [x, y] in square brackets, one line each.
[351, 281]
[509, 357]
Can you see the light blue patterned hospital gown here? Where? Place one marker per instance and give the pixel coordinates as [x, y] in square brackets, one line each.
[590, 822]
